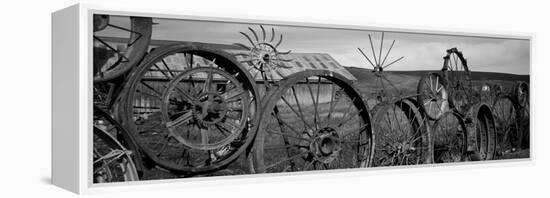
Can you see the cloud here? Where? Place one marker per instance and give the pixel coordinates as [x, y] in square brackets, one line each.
[421, 51]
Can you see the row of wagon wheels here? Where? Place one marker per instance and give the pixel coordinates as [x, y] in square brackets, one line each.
[497, 125]
[200, 117]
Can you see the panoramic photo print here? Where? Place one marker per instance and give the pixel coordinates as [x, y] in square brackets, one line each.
[178, 98]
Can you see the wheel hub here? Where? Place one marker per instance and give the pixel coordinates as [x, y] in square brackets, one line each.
[326, 146]
[266, 58]
[265, 54]
[211, 108]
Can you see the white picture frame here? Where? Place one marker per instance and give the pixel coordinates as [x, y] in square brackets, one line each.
[72, 91]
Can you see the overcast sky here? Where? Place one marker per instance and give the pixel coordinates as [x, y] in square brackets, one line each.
[421, 51]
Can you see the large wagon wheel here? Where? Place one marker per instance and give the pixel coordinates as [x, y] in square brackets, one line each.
[457, 80]
[433, 96]
[524, 127]
[314, 120]
[483, 131]
[111, 161]
[521, 93]
[449, 138]
[104, 121]
[112, 61]
[183, 92]
[521, 97]
[507, 125]
[402, 136]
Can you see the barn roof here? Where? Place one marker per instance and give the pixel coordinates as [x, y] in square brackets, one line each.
[300, 61]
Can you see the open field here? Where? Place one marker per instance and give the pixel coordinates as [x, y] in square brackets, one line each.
[407, 81]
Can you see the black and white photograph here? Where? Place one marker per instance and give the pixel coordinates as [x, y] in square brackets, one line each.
[178, 98]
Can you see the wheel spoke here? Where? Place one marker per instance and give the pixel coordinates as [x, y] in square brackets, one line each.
[297, 104]
[204, 136]
[236, 97]
[182, 119]
[347, 110]
[286, 135]
[316, 116]
[209, 78]
[297, 114]
[331, 108]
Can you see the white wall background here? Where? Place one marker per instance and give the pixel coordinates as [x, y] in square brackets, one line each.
[25, 87]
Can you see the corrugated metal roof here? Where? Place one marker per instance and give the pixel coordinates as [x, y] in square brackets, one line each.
[300, 62]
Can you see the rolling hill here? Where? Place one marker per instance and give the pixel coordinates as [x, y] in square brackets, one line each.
[407, 81]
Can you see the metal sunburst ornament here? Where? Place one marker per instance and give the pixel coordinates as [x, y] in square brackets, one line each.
[379, 64]
[263, 54]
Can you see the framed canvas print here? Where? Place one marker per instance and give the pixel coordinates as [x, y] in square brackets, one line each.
[143, 96]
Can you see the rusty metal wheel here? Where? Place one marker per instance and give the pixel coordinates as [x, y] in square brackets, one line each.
[106, 122]
[521, 93]
[449, 138]
[113, 61]
[433, 97]
[111, 161]
[483, 130]
[180, 104]
[521, 97]
[507, 125]
[457, 80]
[314, 120]
[524, 127]
[402, 136]
[205, 108]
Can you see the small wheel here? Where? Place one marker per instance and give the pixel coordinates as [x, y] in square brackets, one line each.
[402, 136]
[521, 93]
[433, 96]
[205, 108]
[184, 91]
[484, 131]
[107, 123]
[449, 138]
[521, 97]
[507, 125]
[314, 120]
[111, 161]
[113, 61]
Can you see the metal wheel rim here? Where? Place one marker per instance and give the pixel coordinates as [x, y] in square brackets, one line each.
[306, 151]
[140, 36]
[485, 131]
[507, 125]
[457, 75]
[117, 158]
[436, 91]
[402, 136]
[449, 145]
[242, 95]
[230, 65]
